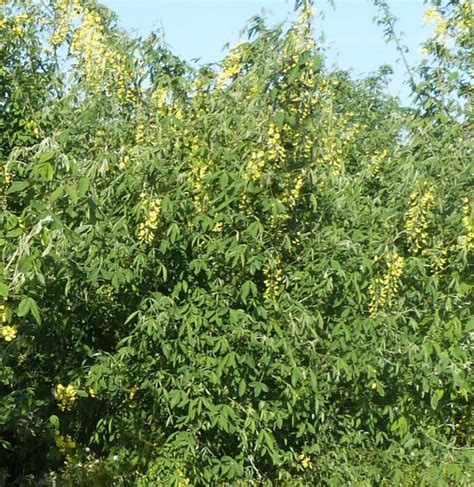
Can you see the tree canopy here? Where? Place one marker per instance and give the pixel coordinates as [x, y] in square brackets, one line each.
[251, 273]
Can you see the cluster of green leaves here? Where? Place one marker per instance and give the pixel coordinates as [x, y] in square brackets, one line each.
[208, 258]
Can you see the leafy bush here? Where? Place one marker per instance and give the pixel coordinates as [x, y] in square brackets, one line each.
[255, 274]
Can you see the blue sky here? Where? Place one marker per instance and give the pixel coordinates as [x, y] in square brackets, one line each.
[200, 28]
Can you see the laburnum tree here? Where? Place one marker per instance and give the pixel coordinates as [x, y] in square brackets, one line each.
[251, 273]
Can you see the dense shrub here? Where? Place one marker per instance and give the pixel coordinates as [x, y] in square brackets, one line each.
[260, 273]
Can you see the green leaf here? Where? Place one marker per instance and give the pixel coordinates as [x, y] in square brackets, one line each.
[3, 290]
[46, 156]
[295, 376]
[72, 194]
[242, 387]
[24, 307]
[83, 186]
[57, 194]
[244, 292]
[28, 305]
[435, 398]
[17, 187]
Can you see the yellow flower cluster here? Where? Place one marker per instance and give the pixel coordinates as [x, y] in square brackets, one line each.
[32, 126]
[88, 43]
[253, 88]
[255, 166]
[273, 279]
[123, 162]
[218, 227]
[304, 109]
[298, 96]
[198, 85]
[305, 461]
[60, 34]
[437, 257]
[107, 292]
[303, 26]
[19, 23]
[276, 151]
[104, 66]
[440, 263]
[8, 332]
[245, 204]
[68, 11]
[432, 15]
[376, 162]
[66, 396]
[387, 287]
[464, 26]
[140, 134]
[467, 240]
[133, 392]
[64, 443]
[292, 197]
[232, 66]
[183, 480]
[159, 97]
[417, 218]
[146, 229]
[337, 140]
[197, 172]
[65, 6]
[117, 62]
[332, 153]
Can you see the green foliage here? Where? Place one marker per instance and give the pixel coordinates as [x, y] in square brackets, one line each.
[258, 273]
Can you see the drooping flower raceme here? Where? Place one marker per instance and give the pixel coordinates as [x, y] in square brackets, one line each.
[66, 396]
[8, 332]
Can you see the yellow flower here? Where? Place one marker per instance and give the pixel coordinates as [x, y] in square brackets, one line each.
[64, 443]
[66, 396]
[159, 97]
[305, 461]
[385, 288]
[292, 197]
[218, 227]
[19, 30]
[232, 66]
[273, 280]
[431, 15]
[146, 229]
[183, 480]
[417, 218]
[255, 166]
[8, 332]
[140, 134]
[133, 392]
[275, 149]
[467, 240]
